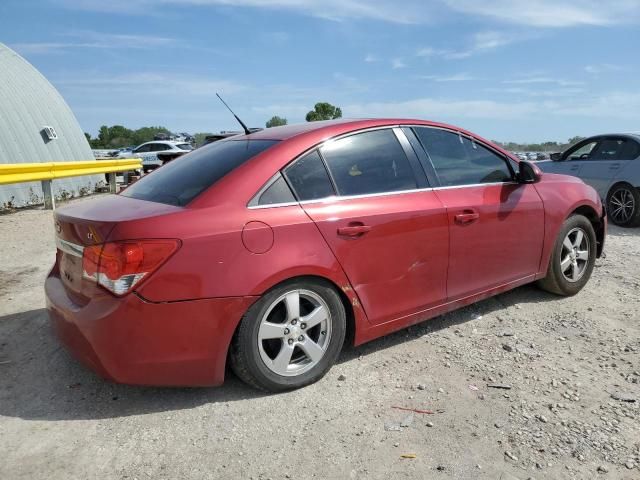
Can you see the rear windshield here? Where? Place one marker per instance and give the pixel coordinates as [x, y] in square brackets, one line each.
[183, 179]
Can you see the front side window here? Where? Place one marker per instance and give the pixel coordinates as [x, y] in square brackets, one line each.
[185, 146]
[582, 152]
[369, 163]
[179, 182]
[309, 179]
[459, 161]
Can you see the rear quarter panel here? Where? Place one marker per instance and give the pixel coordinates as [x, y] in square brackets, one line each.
[562, 195]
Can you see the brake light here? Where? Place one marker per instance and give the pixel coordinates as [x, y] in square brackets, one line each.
[119, 266]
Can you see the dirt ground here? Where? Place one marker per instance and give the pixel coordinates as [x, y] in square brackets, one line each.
[572, 409]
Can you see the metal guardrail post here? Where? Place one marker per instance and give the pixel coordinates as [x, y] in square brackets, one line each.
[113, 185]
[49, 199]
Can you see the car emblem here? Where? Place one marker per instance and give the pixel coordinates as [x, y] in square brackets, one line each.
[90, 236]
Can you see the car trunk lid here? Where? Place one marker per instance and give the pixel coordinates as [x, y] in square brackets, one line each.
[91, 222]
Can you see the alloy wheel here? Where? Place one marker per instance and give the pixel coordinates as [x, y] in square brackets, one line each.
[575, 255]
[621, 205]
[294, 333]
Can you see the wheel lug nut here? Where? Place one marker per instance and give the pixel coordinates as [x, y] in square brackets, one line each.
[286, 331]
[303, 326]
[300, 338]
[293, 322]
[291, 341]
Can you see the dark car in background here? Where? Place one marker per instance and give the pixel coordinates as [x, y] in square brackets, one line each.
[610, 164]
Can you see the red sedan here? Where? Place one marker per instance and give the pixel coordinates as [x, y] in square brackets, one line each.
[266, 251]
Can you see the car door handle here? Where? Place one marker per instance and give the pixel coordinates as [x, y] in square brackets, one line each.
[467, 217]
[574, 168]
[614, 166]
[354, 230]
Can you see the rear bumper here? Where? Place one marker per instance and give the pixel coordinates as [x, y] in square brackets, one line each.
[128, 340]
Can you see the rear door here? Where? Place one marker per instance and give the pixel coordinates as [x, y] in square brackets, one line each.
[384, 224]
[496, 226]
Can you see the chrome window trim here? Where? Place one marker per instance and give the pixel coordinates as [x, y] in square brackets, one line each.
[337, 198]
[69, 248]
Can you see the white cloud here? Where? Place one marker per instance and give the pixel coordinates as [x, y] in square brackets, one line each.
[541, 80]
[371, 58]
[457, 77]
[552, 13]
[398, 63]
[412, 11]
[539, 13]
[480, 42]
[613, 105]
[435, 108]
[97, 40]
[150, 84]
[603, 68]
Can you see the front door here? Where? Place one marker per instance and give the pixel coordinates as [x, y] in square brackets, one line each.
[496, 226]
[607, 161]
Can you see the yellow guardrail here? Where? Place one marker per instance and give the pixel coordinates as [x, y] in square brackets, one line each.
[31, 172]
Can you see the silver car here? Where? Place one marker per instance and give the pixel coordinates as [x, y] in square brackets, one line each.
[611, 165]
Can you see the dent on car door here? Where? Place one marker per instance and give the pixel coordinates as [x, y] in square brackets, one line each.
[496, 225]
[388, 232]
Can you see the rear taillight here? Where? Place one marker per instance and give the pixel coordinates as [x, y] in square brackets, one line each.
[119, 266]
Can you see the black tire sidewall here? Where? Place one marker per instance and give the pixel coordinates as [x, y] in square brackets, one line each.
[635, 217]
[247, 343]
[567, 287]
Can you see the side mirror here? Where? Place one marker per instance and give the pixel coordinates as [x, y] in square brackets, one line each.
[528, 172]
[556, 157]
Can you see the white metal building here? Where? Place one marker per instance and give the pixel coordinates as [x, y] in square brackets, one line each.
[36, 125]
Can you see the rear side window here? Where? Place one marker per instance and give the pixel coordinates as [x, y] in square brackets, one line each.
[180, 181]
[369, 163]
[459, 161]
[309, 179]
[609, 149]
[631, 151]
[277, 192]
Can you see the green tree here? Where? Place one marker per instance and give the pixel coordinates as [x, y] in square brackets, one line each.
[276, 121]
[199, 137]
[574, 140]
[324, 111]
[146, 134]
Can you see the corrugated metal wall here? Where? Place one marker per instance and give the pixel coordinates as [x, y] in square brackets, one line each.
[28, 102]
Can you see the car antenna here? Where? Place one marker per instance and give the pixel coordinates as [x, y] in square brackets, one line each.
[246, 130]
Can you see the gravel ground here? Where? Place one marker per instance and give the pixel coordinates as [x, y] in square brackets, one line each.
[570, 406]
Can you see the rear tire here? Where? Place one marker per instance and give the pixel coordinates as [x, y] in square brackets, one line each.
[573, 258]
[623, 205]
[289, 338]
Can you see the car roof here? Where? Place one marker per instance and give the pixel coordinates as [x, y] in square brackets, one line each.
[336, 127]
[632, 136]
[170, 142]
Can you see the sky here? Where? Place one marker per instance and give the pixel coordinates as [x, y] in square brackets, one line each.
[509, 70]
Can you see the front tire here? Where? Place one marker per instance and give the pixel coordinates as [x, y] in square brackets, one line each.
[623, 205]
[573, 258]
[289, 338]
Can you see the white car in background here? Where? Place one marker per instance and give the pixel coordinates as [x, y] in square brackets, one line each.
[149, 151]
